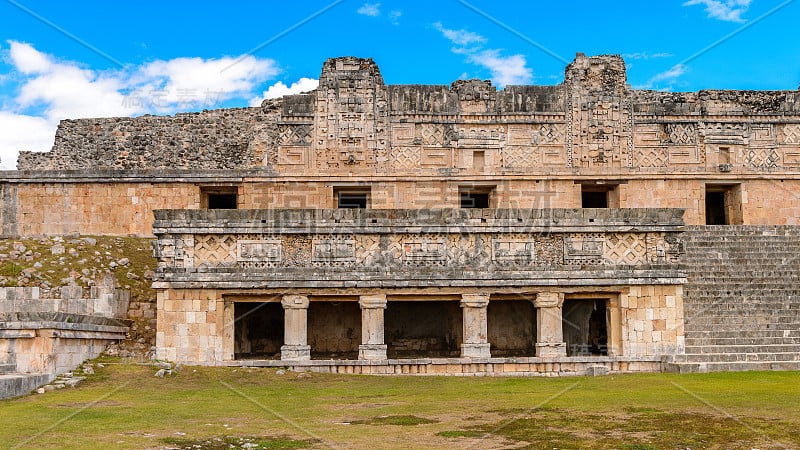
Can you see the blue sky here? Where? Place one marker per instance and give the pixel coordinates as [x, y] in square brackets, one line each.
[63, 60]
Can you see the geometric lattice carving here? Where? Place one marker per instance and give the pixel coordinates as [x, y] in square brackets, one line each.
[294, 135]
[680, 133]
[548, 133]
[791, 133]
[629, 248]
[520, 156]
[437, 134]
[651, 157]
[763, 157]
[405, 158]
[215, 248]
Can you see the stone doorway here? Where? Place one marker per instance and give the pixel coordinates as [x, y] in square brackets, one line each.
[511, 328]
[423, 329]
[334, 329]
[258, 330]
[585, 327]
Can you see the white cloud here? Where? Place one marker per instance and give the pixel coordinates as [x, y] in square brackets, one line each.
[23, 132]
[184, 81]
[504, 69]
[727, 10]
[394, 16]
[49, 90]
[461, 37]
[646, 55]
[27, 59]
[280, 89]
[370, 9]
[664, 80]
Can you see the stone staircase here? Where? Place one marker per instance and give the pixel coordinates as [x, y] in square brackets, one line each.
[742, 299]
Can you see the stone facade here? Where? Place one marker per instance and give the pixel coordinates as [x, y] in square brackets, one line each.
[389, 262]
[534, 229]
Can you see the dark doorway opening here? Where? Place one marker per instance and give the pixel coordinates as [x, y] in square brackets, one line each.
[352, 197]
[219, 197]
[475, 196]
[585, 327]
[715, 208]
[423, 329]
[258, 330]
[594, 199]
[474, 199]
[334, 329]
[511, 328]
[724, 204]
[221, 201]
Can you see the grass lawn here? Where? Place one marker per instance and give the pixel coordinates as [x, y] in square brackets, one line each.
[124, 406]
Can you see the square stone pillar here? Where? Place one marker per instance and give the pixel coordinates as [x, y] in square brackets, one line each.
[549, 331]
[372, 346]
[295, 334]
[473, 307]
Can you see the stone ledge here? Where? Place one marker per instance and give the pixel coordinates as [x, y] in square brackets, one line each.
[444, 220]
[22, 329]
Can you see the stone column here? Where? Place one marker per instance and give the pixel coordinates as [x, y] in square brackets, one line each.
[295, 334]
[372, 346]
[473, 307]
[549, 333]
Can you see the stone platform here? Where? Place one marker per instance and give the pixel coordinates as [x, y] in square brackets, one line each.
[527, 366]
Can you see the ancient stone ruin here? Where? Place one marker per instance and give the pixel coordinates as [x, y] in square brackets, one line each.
[579, 228]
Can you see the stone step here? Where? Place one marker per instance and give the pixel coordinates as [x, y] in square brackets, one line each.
[746, 349]
[732, 366]
[7, 368]
[733, 322]
[734, 333]
[740, 357]
[697, 342]
[788, 307]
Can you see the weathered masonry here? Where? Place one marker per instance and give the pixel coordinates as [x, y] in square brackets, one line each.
[411, 285]
[376, 228]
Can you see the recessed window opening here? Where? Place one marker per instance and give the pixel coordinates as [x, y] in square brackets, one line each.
[475, 196]
[352, 197]
[219, 197]
[596, 195]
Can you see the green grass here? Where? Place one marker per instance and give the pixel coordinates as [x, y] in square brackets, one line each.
[125, 406]
[402, 420]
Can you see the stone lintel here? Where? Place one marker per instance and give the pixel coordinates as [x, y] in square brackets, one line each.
[295, 301]
[474, 300]
[549, 300]
[372, 301]
[295, 352]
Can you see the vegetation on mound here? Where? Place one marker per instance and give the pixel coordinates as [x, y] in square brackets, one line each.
[58, 261]
[51, 262]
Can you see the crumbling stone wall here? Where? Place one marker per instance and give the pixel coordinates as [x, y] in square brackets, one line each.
[212, 139]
